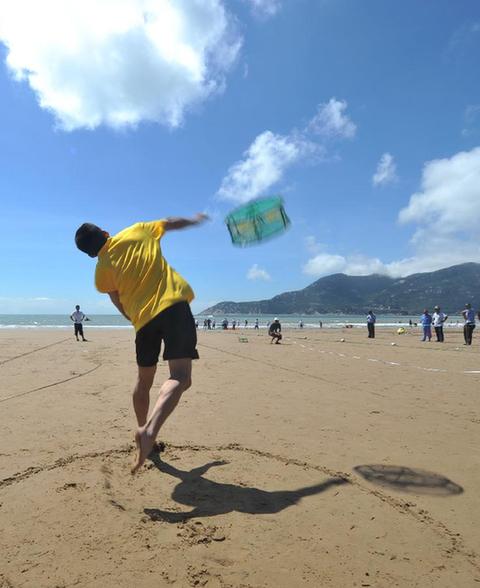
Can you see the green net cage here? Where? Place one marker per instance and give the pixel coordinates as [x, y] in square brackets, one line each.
[257, 221]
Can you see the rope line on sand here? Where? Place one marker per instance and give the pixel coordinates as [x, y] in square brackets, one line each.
[33, 351]
[278, 367]
[51, 385]
[384, 362]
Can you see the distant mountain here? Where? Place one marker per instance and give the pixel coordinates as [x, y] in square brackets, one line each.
[450, 288]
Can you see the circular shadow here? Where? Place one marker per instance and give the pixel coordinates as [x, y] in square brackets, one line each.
[411, 480]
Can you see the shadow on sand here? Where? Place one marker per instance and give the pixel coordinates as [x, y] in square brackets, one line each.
[208, 498]
[410, 480]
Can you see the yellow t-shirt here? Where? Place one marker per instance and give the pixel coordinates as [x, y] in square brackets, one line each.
[131, 263]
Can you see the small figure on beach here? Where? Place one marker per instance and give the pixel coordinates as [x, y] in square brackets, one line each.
[256, 324]
[426, 320]
[300, 324]
[371, 320]
[156, 300]
[213, 324]
[246, 323]
[469, 325]
[225, 324]
[438, 318]
[275, 331]
[234, 324]
[321, 324]
[78, 317]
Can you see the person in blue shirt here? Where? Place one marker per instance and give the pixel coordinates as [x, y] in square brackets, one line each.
[426, 320]
[469, 317]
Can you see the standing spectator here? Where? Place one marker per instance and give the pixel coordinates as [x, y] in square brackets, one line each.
[438, 318]
[234, 324]
[371, 320]
[256, 324]
[469, 326]
[426, 320]
[300, 324]
[225, 324]
[78, 317]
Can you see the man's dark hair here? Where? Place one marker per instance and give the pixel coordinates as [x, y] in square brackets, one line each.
[90, 239]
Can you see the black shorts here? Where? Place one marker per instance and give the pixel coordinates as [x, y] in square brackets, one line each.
[175, 326]
[78, 329]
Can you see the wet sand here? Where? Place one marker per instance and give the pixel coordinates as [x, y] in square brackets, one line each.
[314, 463]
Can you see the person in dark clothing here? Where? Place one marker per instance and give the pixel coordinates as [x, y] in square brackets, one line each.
[275, 331]
[469, 326]
[371, 320]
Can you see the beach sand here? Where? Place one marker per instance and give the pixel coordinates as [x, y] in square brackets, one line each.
[312, 463]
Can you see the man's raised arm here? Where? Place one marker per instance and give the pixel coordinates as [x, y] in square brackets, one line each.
[174, 223]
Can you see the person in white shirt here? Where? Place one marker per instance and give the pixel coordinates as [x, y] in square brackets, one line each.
[78, 317]
[438, 318]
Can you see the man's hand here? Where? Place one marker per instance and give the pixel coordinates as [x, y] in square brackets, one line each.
[172, 224]
[201, 217]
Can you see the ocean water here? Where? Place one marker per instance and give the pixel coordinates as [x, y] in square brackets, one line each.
[116, 321]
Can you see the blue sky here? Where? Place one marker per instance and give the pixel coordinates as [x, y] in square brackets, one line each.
[365, 116]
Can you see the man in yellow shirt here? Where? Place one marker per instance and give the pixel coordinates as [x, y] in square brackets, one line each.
[155, 299]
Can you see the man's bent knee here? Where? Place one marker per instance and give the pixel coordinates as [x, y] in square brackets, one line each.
[146, 376]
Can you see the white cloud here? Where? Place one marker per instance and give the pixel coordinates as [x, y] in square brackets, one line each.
[471, 120]
[257, 273]
[386, 171]
[119, 62]
[331, 120]
[263, 165]
[324, 264]
[312, 245]
[449, 200]
[265, 7]
[265, 162]
[446, 212]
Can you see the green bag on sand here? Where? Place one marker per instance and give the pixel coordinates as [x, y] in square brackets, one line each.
[257, 220]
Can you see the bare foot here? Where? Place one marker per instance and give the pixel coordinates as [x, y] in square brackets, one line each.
[144, 444]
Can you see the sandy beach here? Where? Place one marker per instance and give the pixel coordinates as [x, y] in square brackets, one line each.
[312, 463]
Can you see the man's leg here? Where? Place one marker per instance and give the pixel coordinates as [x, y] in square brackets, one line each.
[470, 333]
[169, 396]
[141, 393]
[80, 330]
